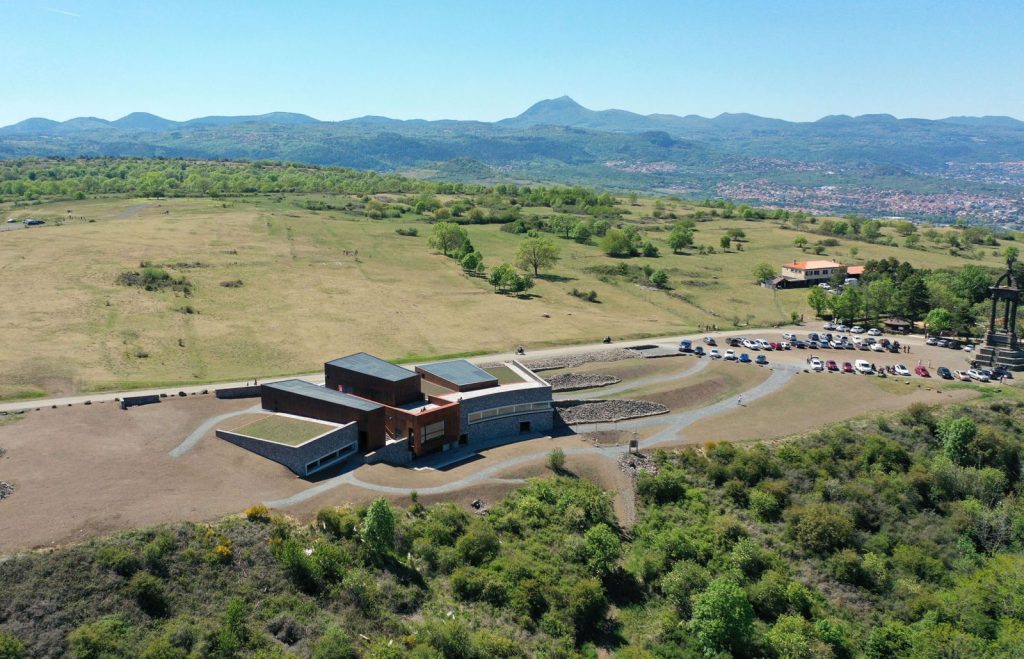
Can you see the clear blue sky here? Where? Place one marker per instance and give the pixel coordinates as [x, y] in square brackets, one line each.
[484, 59]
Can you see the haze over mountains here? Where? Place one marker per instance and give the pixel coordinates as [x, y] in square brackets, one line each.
[837, 163]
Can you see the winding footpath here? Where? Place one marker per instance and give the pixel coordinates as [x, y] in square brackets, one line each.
[206, 426]
[672, 425]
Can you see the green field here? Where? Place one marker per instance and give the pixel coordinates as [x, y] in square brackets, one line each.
[283, 430]
[320, 284]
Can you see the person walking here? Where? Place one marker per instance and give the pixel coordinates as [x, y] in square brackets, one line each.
[739, 401]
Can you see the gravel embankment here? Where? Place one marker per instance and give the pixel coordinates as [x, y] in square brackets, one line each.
[577, 381]
[572, 361]
[605, 411]
[6, 490]
[634, 464]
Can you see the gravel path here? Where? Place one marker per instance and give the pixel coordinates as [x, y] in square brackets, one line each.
[189, 442]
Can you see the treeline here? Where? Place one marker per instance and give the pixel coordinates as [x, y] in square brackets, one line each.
[897, 537]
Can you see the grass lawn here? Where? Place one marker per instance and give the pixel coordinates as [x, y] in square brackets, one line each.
[321, 284]
[283, 429]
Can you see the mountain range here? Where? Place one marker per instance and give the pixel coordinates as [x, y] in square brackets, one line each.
[559, 141]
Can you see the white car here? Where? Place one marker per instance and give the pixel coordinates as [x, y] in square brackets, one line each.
[751, 345]
[764, 345]
[817, 364]
[969, 347]
[857, 329]
[932, 341]
[874, 331]
[730, 355]
[785, 345]
[862, 366]
[825, 286]
[788, 336]
[828, 326]
[977, 375]
[714, 354]
[901, 370]
[878, 347]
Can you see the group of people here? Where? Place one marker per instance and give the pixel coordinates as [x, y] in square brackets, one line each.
[709, 328]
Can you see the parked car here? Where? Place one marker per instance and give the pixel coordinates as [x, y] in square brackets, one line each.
[816, 364]
[751, 345]
[788, 336]
[969, 347]
[878, 347]
[686, 345]
[885, 342]
[862, 366]
[698, 350]
[729, 355]
[761, 360]
[714, 354]
[841, 328]
[708, 340]
[874, 331]
[963, 376]
[775, 345]
[736, 341]
[847, 367]
[831, 365]
[978, 375]
[799, 344]
[944, 373]
[1002, 372]
[922, 371]
[784, 345]
[900, 369]
[764, 345]
[825, 286]
[857, 329]
[744, 358]
[813, 336]
[931, 340]
[34, 223]
[942, 343]
[829, 326]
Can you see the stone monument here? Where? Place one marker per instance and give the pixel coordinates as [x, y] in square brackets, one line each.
[1001, 345]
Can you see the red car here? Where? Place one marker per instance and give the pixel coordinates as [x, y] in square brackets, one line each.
[831, 365]
[775, 345]
[922, 371]
[847, 367]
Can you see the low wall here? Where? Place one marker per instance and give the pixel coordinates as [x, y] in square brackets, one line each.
[239, 392]
[135, 401]
[297, 458]
[395, 453]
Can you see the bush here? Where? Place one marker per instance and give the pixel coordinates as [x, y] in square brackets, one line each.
[11, 648]
[334, 644]
[479, 545]
[120, 560]
[411, 231]
[821, 528]
[258, 513]
[556, 460]
[148, 592]
[763, 505]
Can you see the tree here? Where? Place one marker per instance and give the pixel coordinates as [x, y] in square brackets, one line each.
[472, 262]
[763, 272]
[1011, 253]
[938, 320]
[562, 224]
[447, 237]
[378, 529]
[603, 549]
[504, 278]
[616, 243]
[722, 618]
[725, 242]
[956, 435]
[971, 282]
[878, 297]
[581, 232]
[736, 234]
[680, 238]
[633, 197]
[818, 300]
[659, 278]
[800, 242]
[536, 253]
[912, 297]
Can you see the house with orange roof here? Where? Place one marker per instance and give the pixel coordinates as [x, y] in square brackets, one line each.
[808, 273]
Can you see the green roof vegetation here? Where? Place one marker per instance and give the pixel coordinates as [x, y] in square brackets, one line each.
[284, 430]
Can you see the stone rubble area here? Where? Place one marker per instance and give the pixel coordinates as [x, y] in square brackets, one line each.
[572, 361]
[574, 412]
[6, 490]
[577, 381]
[634, 464]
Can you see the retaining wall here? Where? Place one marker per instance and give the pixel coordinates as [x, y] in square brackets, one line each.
[298, 457]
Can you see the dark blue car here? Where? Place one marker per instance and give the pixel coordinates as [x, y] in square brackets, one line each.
[744, 358]
[761, 360]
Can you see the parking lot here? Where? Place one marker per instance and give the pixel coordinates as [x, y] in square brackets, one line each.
[865, 351]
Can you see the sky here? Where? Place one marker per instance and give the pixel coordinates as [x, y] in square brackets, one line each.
[484, 59]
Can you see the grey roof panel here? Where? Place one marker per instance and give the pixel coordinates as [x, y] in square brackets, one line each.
[459, 372]
[362, 362]
[310, 390]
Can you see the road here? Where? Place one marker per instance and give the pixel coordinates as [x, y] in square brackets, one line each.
[562, 351]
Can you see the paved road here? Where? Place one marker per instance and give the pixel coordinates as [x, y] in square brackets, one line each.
[673, 425]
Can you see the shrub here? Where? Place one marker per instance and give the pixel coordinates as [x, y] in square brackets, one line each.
[11, 648]
[149, 593]
[659, 278]
[722, 618]
[334, 644]
[411, 231]
[684, 580]
[763, 505]
[118, 559]
[234, 283]
[479, 545]
[258, 513]
[556, 460]
[821, 528]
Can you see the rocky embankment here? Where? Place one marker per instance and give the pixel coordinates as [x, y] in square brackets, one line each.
[574, 412]
[577, 381]
[572, 361]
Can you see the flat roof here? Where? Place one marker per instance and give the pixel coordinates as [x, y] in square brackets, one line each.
[459, 372]
[367, 364]
[812, 265]
[310, 390]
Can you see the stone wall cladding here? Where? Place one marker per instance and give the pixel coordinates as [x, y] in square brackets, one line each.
[503, 427]
[395, 453]
[296, 457]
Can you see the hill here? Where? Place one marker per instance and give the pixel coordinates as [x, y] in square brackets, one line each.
[874, 164]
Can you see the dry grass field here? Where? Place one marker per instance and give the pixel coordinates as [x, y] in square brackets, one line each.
[316, 285]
